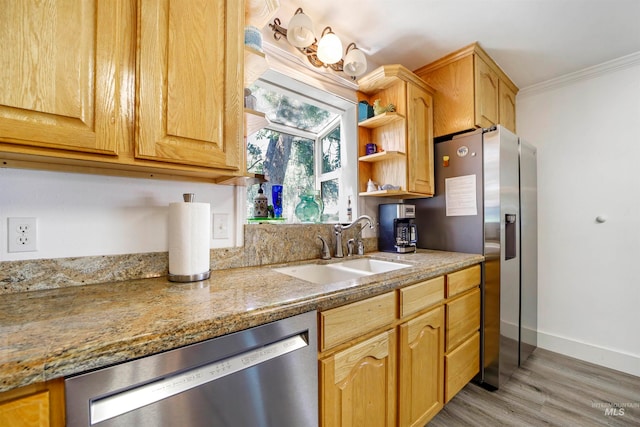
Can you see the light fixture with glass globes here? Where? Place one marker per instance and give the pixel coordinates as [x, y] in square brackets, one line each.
[324, 53]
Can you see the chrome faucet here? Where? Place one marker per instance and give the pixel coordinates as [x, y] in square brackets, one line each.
[337, 229]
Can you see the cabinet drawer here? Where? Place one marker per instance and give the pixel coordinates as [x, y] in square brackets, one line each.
[463, 318]
[420, 296]
[461, 365]
[462, 280]
[341, 324]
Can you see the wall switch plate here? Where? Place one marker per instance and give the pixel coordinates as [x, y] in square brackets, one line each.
[220, 226]
[22, 235]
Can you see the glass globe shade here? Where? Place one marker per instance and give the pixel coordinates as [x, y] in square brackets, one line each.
[355, 63]
[300, 32]
[329, 48]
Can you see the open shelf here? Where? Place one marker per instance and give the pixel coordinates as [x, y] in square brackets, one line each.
[396, 194]
[381, 156]
[242, 180]
[381, 120]
[255, 64]
[254, 121]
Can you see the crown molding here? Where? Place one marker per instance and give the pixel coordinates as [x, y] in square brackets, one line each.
[584, 74]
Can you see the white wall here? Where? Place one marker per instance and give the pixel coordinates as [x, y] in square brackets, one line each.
[586, 128]
[83, 215]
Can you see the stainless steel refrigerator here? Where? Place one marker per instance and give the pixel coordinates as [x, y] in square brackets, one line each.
[485, 203]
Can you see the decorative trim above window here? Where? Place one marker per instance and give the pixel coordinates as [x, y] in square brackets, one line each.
[294, 66]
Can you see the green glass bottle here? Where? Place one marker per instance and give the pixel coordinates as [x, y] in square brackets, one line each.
[307, 210]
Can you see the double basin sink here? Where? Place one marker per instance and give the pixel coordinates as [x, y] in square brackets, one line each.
[323, 274]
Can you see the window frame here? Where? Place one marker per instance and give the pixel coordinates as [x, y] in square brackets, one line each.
[346, 110]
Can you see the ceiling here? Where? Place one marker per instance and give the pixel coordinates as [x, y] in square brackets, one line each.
[531, 40]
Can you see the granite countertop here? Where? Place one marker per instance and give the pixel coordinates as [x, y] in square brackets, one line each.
[58, 332]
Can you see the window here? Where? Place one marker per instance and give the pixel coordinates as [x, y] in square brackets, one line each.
[305, 147]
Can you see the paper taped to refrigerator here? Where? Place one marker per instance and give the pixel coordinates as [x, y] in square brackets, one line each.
[460, 196]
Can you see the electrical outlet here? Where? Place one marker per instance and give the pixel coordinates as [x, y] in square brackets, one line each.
[22, 234]
[220, 226]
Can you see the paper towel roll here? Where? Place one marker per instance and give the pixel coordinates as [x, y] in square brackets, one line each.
[189, 231]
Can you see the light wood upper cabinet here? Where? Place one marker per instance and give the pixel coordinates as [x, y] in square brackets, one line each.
[404, 136]
[60, 74]
[507, 104]
[486, 93]
[127, 87]
[189, 107]
[471, 91]
[420, 140]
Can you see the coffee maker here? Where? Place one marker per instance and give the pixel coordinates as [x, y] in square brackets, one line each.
[397, 231]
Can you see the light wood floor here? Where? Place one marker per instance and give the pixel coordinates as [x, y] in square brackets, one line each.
[549, 390]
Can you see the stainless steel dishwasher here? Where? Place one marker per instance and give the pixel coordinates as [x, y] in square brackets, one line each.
[263, 376]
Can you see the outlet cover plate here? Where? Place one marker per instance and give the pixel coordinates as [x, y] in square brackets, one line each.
[22, 234]
[220, 226]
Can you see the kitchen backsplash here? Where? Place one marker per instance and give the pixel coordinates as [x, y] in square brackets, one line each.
[263, 244]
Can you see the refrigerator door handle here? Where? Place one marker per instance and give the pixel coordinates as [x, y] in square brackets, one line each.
[510, 236]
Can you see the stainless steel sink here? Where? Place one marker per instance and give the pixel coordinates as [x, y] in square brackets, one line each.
[337, 272]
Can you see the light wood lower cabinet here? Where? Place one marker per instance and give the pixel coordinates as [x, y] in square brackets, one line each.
[382, 360]
[462, 364]
[421, 368]
[354, 320]
[463, 318]
[462, 326]
[36, 405]
[358, 385]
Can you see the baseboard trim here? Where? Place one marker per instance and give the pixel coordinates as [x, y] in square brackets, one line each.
[609, 358]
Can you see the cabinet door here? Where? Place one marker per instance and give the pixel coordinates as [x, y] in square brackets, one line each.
[486, 94]
[190, 78]
[507, 106]
[35, 405]
[421, 372]
[454, 98]
[61, 76]
[358, 385]
[27, 411]
[420, 140]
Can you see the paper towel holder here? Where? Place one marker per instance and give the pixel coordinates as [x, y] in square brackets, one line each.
[184, 278]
